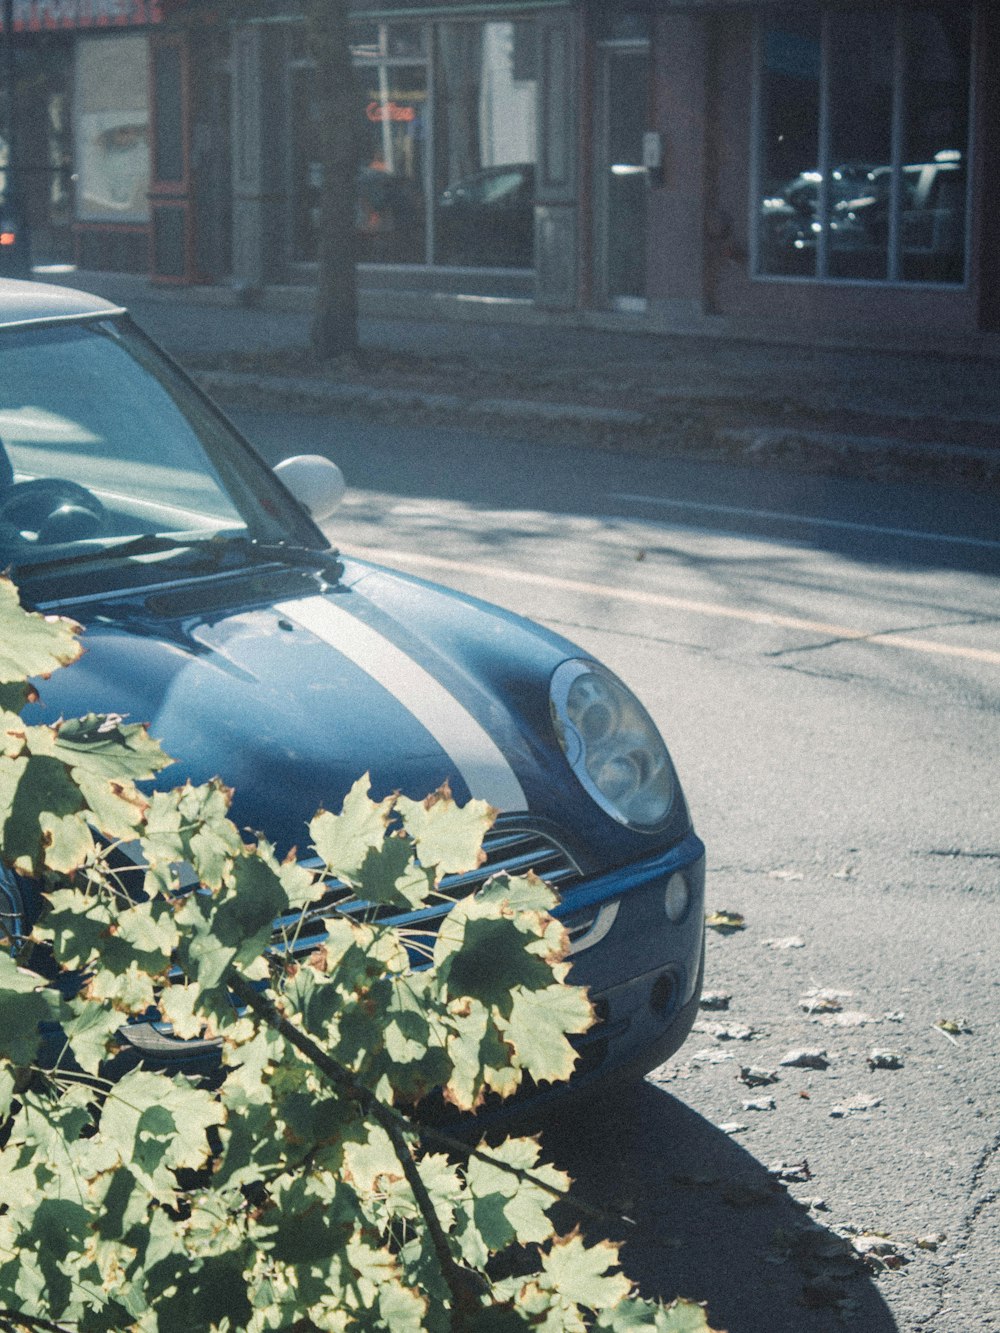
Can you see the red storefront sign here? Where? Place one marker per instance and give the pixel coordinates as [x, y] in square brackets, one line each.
[378, 111]
[46, 15]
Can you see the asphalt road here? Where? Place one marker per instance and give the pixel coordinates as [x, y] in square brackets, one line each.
[823, 658]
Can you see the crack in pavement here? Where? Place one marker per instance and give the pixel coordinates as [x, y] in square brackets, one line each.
[978, 1175]
[955, 852]
[942, 1276]
[875, 634]
[618, 632]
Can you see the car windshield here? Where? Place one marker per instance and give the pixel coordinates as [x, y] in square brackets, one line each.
[102, 441]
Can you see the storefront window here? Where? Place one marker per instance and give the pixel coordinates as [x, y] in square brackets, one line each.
[485, 144]
[388, 41]
[790, 151]
[935, 137]
[391, 209]
[864, 141]
[390, 213]
[474, 146]
[111, 102]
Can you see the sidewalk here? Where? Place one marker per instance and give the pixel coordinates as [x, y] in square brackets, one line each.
[900, 412]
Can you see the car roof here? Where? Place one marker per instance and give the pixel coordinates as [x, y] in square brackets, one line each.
[40, 302]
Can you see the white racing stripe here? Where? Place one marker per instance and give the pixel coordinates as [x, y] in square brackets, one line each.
[476, 756]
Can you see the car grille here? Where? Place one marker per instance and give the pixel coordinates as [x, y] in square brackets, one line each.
[509, 851]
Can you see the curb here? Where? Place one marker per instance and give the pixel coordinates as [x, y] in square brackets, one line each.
[298, 390]
[775, 439]
[408, 304]
[750, 442]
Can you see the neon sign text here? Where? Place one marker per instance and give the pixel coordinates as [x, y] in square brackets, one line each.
[379, 111]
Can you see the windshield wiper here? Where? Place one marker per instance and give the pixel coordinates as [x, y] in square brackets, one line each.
[147, 543]
[219, 551]
[327, 563]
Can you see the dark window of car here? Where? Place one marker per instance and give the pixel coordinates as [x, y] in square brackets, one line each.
[101, 438]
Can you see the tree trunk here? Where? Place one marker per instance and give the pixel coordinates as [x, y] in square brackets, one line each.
[335, 320]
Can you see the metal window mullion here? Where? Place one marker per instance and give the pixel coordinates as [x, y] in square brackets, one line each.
[823, 155]
[971, 146]
[430, 143]
[757, 131]
[292, 186]
[896, 154]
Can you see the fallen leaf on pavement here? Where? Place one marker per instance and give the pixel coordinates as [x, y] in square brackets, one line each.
[878, 1251]
[726, 1031]
[953, 1026]
[694, 1179]
[811, 1058]
[931, 1241]
[856, 1105]
[710, 1055]
[820, 1293]
[759, 1104]
[725, 922]
[850, 1018]
[885, 1060]
[821, 1000]
[791, 1171]
[756, 1078]
[745, 1192]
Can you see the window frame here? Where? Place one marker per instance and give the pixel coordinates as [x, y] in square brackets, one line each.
[821, 276]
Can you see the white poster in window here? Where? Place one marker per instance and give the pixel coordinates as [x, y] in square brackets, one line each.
[113, 165]
[111, 128]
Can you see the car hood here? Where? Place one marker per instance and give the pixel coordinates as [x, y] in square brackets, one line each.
[290, 690]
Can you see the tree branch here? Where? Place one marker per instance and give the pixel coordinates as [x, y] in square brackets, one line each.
[427, 1134]
[11, 1319]
[463, 1284]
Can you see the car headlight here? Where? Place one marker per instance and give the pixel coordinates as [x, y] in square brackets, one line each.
[612, 744]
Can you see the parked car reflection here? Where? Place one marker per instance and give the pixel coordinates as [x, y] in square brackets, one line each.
[860, 202]
[488, 218]
[389, 218]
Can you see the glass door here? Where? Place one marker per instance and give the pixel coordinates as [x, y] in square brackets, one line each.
[622, 182]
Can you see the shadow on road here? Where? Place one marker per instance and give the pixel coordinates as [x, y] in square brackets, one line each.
[710, 1222]
[869, 522]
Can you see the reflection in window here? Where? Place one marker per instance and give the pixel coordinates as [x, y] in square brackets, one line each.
[860, 134]
[485, 144]
[879, 193]
[790, 115]
[390, 211]
[133, 445]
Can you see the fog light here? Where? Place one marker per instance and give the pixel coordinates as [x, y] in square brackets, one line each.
[677, 897]
[663, 995]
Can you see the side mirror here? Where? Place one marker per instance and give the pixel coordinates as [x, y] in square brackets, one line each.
[316, 483]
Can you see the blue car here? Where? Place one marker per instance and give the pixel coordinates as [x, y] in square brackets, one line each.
[215, 610]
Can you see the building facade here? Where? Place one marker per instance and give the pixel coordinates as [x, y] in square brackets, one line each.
[820, 165]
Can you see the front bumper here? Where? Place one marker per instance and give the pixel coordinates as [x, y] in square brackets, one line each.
[643, 974]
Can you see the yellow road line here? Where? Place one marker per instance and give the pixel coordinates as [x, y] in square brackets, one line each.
[639, 597]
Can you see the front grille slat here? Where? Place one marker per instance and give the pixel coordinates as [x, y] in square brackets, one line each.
[509, 851]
